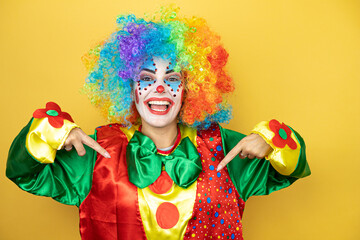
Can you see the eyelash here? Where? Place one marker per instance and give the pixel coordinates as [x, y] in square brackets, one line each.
[146, 78]
[173, 79]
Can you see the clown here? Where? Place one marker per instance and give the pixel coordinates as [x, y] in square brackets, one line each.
[165, 169]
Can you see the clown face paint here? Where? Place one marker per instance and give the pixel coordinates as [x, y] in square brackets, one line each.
[158, 92]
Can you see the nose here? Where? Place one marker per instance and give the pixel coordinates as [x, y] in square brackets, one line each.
[160, 89]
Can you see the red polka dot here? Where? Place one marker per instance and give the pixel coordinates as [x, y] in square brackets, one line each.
[162, 185]
[167, 215]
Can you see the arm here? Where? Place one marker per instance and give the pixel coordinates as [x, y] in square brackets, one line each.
[279, 169]
[37, 165]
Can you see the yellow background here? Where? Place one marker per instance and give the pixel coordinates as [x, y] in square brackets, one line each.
[296, 61]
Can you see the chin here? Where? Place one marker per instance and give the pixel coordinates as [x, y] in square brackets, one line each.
[159, 122]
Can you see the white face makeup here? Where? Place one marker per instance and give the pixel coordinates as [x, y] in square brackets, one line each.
[158, 92]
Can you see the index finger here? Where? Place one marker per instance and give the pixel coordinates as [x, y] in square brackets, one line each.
[95, 145]
[230, 156]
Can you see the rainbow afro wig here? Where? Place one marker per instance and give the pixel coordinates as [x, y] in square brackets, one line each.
[114, 64]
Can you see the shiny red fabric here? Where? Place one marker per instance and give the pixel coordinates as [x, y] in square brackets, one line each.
[110, 211]
[218, 207]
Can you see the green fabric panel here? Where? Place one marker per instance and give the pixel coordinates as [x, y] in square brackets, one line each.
[144, 163]
[252, 176]
[302, 168]
[67, 180]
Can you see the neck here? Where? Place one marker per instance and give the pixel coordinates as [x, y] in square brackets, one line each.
[163, 137]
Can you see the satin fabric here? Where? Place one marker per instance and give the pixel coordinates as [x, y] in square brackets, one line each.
[144, 163]
[43, 140]
[284, 160]
[149, 202]
[111, 210]
[218, 208]
[183, 199]
[257, 176]
[67, 180]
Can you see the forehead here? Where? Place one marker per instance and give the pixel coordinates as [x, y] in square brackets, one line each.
[155, 63]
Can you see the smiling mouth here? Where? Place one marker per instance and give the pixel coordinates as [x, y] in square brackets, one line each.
[159, 106]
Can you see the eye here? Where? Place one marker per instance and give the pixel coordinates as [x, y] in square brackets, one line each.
[146, 78]
[173, 79]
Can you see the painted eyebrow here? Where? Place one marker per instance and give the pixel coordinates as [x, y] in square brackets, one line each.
[149, 70]
[169, 71]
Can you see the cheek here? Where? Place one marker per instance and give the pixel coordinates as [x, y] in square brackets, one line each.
[182, 95]
[137, 96]
[175, 88]
[141, 90]
[179, 96]
[144, 85]
[180, 88]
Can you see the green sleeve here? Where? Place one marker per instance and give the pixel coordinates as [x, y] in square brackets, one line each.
[67, 180]
[257, 176]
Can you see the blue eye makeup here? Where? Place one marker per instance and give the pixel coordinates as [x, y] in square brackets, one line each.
[174, 82]
[145, 81]
[148, 76]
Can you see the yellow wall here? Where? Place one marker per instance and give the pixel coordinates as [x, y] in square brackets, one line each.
[296, 61]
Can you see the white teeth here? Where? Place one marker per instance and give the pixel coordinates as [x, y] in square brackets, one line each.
[159, 102]
[158, 110]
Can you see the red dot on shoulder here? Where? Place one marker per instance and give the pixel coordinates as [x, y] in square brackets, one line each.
[167, 215]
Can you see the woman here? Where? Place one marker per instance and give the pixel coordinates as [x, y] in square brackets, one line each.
[160, 172]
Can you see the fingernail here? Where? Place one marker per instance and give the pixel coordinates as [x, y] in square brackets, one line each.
[107, 155]
[219, 167]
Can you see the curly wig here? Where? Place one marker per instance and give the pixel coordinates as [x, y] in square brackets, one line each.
[196, 50]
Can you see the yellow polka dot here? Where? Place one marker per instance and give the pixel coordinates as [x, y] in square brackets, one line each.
[204, 226]
[202, 186]
[203, 160]
[225, 212]
[219, 237]
[212, 207]
[199, 194]
[208, 189]
[193, 235]
[237, 228]
[200, 179]
[234, 200]
[217, 190]
[205, 234]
